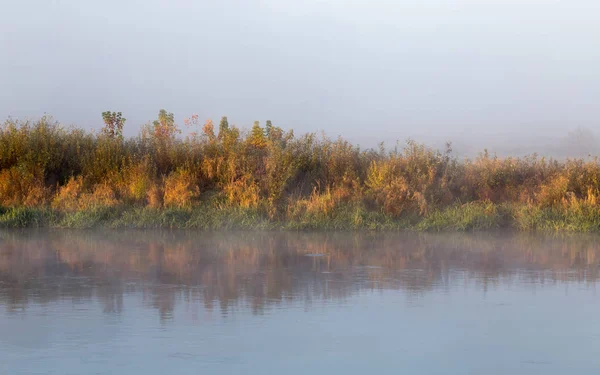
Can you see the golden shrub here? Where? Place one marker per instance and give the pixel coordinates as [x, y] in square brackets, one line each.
[134, 181]
[37, 195]
[103, 195]
[67, 197]
[320, 203]
[155, 196]
[180, 189]
[554, 191]
[317, 204]
[243, 192]
[75, 196]
[389, 190]
[19, 187]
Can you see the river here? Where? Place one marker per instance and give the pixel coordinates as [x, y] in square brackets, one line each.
[176, 302]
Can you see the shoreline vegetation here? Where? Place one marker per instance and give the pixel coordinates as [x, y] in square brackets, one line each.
[221, 177]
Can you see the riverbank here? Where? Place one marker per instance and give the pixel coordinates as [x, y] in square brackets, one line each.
[475, 216]
[268, 178]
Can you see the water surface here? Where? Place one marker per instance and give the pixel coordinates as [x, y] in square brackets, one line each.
[141, 302]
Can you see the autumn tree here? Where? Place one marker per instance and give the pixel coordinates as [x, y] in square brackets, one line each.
[257, 136]
[113, 124]
[273, 133]
[268, 128]
[164, 126]
[223, 127]
[209, 130]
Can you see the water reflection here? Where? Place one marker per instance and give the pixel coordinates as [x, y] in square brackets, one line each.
[227, 272]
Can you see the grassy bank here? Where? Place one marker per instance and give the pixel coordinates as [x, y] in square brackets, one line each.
[468, 217]
[219, 177]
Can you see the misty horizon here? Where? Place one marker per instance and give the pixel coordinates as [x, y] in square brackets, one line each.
[575, 143]
[433, 71]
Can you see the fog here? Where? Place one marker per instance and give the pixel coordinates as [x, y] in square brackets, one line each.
[513, 76]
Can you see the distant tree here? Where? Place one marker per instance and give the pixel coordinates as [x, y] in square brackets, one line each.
[268, 128]
[223, 127]
[113, 124]
[165, 127]
[257, 135]
[209, 130]
[273, 132]
[190, 123]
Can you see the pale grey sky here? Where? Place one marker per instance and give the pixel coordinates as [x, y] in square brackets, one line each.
[372, 69]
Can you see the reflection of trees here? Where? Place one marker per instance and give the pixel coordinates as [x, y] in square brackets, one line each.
[226, 271]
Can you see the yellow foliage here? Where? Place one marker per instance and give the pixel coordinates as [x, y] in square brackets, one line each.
[266, 168]
[389, 190]
[102, 196]
[134, 181]
[155, 196]
[180, 189]
[18, 187]
[243, 192]
[74, 196]
[67, 198]
[317, 204]
[554, 191]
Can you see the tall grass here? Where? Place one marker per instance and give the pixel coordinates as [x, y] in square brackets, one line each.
[266, 177]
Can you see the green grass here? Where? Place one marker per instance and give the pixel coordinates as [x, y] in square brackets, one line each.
[475, 216]
[557, 219]
[470, 216]
[22, 217]
[85, 219]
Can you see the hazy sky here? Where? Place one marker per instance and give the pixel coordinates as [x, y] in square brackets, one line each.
[360, 68]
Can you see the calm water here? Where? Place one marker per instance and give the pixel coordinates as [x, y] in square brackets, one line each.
[262, 303]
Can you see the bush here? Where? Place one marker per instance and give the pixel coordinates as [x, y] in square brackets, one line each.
[181, 189]
[19, 187]
[266, 175]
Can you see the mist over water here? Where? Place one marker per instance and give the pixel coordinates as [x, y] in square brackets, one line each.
[150, 302]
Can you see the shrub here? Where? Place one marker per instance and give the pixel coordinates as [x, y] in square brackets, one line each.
[272, 175]
[243, 192]
[554, 191]
[180, 189]
[19, 187]
[67, 198]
